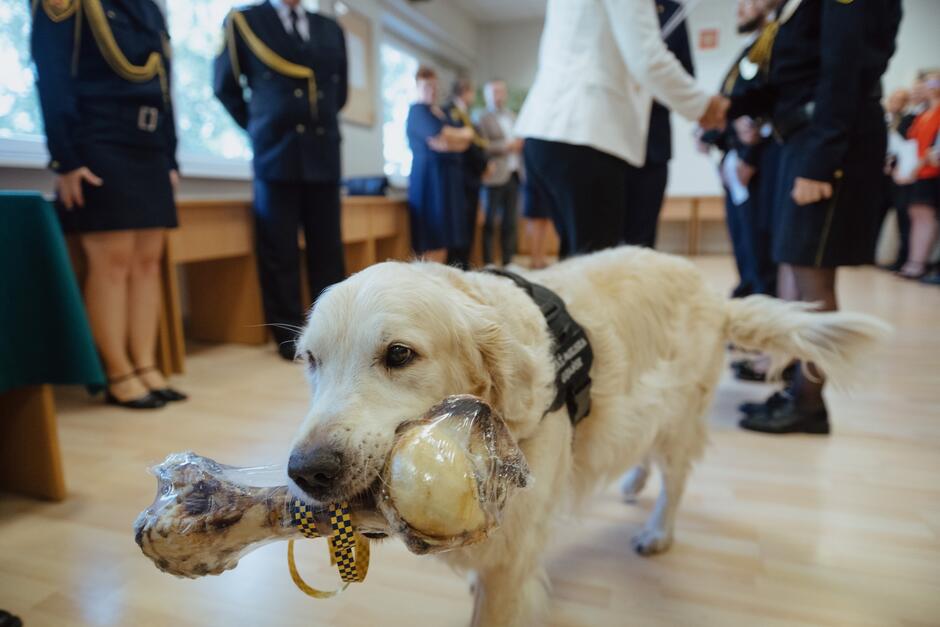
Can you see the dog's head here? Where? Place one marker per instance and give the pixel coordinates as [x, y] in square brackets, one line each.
[380, 349]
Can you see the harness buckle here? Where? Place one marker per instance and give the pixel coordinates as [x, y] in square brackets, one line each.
[147, 119]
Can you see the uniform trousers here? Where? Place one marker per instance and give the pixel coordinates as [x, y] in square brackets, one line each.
[586, 189]
[645, 190]
[280, 210]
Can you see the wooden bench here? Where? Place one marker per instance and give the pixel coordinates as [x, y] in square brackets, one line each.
[211, 262]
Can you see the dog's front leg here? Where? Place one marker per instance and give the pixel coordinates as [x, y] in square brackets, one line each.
[509, 597]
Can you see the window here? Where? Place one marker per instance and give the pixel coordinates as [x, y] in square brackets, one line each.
[206, 131]
[398, 88]
[210, 143]
[19, 103]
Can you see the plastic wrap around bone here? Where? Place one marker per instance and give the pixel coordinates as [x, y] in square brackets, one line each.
[445, 484]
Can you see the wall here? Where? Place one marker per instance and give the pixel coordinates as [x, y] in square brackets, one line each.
[510, 50]
[442, 29]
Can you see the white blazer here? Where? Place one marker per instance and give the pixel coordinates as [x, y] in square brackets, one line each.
[601, 62]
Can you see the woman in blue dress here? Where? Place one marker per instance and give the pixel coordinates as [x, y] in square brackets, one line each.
[435, 190]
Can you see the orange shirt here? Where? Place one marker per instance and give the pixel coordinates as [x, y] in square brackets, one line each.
[924, 130]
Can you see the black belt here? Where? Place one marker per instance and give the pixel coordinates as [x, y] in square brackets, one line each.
[788, 124]
[144, 118]
[572, 349]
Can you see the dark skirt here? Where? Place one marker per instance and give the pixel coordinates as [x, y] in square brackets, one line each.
[135, 193]
[841, 230]
[436, 203]
[926, 192]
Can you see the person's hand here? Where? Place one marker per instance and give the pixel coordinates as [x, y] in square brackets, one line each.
[745, 172]
[715, 116]
[69, 186]
[746, 130]
[438, 143]
[807, 191]
[515, 146]
[933, 158]
[174, 181]
[490, 169]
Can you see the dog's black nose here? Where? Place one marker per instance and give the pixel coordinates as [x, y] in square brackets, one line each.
[315, 471]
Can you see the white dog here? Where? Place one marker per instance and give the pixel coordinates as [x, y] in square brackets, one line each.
[393, 340]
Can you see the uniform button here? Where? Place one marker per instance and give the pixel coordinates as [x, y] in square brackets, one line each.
[320, 130]
[54, 165]
[111, 14]
[336, 78]
[301, 128]
[298, 93]
[320, 93]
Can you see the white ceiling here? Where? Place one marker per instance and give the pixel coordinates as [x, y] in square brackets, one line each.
[500, 10]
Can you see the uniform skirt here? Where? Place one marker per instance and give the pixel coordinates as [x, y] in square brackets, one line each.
[535, 204]
[841, 230]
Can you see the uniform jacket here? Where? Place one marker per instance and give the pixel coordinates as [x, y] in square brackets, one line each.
[473, 159]
[82, 96]
[292, 120]
[831, 53]
[601, 63]
[659, 145]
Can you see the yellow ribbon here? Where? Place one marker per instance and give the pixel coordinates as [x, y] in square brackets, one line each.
[349, 550]
[267, 56]
[113, 55]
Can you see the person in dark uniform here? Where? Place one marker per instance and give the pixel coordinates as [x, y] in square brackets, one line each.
[293, 63]
[103, 76]
[749, 219]
[823, 92]
[436, 200]
[473, 161]
[646, 185]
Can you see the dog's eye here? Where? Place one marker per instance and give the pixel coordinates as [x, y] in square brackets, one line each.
[398, 356]
[312, 361]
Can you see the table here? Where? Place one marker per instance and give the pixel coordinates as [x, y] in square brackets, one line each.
[45, 340]
[210, 264]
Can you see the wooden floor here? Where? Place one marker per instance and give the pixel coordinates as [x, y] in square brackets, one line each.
[796, 530]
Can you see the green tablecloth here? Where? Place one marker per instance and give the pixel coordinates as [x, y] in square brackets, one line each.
[44, 334]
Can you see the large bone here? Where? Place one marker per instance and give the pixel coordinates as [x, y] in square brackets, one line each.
[444, 485]
[205, 519]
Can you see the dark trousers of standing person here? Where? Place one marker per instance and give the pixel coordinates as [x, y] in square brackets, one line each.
[586, 188]
[502, 202]
[645, 190]
[280, 210]
[901, 198]
[739, 218]
[460, 257]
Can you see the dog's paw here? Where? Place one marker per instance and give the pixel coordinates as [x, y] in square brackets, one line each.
[651, 541]
[633, 483]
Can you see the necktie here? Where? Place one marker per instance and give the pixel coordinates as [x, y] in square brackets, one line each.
[295, 32]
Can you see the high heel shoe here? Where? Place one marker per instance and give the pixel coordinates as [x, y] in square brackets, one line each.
[147, 401]
[168, 394]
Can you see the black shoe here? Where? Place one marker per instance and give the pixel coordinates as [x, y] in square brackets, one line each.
[788, 418]
[931, 279]
[775, 400]
[9, 620]
[744, 371]
[167, 394]
[147, 401]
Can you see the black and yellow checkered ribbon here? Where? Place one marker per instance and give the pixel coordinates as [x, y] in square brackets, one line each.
[349, 550]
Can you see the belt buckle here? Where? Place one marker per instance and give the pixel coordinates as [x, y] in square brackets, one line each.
[147, 118]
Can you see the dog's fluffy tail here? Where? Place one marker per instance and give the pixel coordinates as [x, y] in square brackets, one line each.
[834, 341]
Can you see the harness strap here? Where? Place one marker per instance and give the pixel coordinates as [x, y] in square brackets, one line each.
[572, 350]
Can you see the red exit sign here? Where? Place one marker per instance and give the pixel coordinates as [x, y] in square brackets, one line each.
[707, 38]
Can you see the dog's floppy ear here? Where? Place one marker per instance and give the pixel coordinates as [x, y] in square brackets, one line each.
[500, 368]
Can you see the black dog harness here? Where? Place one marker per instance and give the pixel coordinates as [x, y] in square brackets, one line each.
[572, 350]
